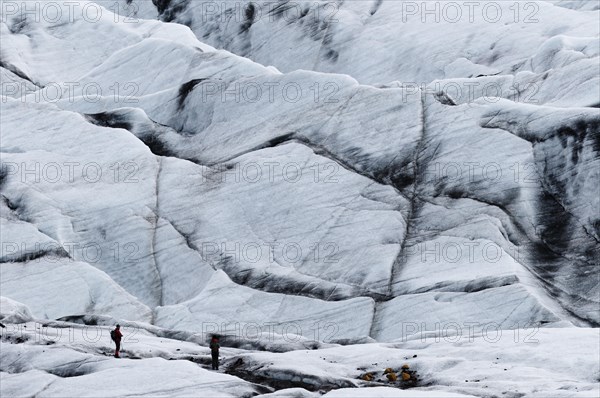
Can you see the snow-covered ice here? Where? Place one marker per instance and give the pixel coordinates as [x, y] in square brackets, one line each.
[61, 358]
[334, 187]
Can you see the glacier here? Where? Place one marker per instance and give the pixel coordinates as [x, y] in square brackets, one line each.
[329, 186]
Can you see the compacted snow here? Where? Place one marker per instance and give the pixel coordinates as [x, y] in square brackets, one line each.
[334, 191]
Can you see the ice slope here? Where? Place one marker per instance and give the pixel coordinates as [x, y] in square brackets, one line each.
[381, 41]
[246, 306]
[367, 159]
[60, 215]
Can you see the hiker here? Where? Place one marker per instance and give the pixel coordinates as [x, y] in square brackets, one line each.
[116, 336]
[214, 352]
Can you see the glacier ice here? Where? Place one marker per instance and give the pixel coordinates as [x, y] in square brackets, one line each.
[371, 178]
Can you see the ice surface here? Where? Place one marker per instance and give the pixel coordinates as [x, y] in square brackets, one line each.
[13, 311]
[52, 360]
[284, 313]
[418, 47]
[381, 205]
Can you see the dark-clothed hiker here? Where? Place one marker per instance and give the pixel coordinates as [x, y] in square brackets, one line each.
[214, 352]
[116, 336]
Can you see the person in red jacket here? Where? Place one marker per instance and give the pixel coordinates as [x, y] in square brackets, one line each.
[116, 335]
